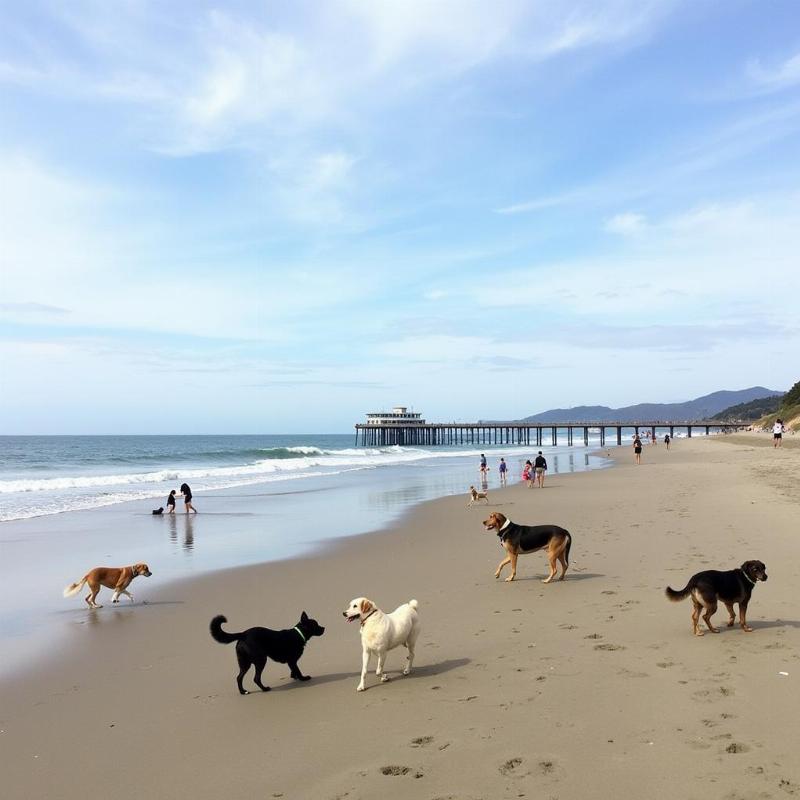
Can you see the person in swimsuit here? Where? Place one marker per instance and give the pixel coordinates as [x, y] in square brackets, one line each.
[527, 473]
[171, 502]
[187, 498]
[540, 467]
[777, 433]
[637, 448]
[502, 469]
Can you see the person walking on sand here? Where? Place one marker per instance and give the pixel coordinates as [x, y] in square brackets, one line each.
[540, 467]
[171, 502]
[187, 498]
[527, 473]
[637, 448]
[502, 469]
[667, 440]
[777, 433]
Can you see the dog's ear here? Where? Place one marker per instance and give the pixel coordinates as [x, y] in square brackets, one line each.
[366, 606]
[304, 617]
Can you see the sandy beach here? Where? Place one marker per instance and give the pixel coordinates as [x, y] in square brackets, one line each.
[592, 687]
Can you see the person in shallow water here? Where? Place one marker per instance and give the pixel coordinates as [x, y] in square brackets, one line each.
[187, 498]
[171, 502]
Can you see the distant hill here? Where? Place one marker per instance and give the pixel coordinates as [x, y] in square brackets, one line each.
[750, 411]
[701, 408]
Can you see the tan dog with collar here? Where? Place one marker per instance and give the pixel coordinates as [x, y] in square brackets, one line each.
[116, 578]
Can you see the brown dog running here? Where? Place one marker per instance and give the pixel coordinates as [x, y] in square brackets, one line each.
[520, 539]
[116, 578]
[708, 587]
[475, 495]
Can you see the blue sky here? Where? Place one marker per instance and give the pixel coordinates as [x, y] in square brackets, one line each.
[274, 217]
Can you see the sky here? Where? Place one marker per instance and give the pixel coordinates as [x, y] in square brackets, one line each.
[270, 217]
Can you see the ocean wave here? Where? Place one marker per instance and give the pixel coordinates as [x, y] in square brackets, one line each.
[311, 457]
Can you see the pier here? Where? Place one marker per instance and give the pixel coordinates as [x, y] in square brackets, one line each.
[387, 431]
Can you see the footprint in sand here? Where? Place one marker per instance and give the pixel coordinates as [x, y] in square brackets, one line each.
[608, 647]
[421, 741]
[510, 766]
[665, 664]
[735, 747]
[593, 636]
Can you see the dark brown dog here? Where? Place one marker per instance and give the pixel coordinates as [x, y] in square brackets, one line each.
[116, 578]
[519, 539]
[708, 587]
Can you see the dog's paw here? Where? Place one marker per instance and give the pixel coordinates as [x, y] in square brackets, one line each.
[304, 678]
[385, 678]
[509, 579]
[747, 629]
[407, 671]
[361, 688]
[243, 691]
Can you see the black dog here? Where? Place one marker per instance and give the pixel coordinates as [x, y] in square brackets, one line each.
[733, 586]
[158, 511]
[255, 645]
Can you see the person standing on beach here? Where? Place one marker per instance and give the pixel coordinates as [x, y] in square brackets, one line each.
[667, 440]
[777, 433]
[540, 467]
[502, 469]
[527, 473]
[637, 448]
[484, 466]
[171, 502]
[187, 498]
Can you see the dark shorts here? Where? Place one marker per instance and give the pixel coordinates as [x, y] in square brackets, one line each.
[637, 450]
[777, 436]
[187, 498]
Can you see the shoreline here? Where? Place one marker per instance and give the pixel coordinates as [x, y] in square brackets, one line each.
[594, 684]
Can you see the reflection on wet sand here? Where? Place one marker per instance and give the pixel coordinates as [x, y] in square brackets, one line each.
[187, 527]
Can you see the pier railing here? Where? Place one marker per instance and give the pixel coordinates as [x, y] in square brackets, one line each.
[431, 434]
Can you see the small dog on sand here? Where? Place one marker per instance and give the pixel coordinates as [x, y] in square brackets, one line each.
[711, 585]
[475, 495]
[116, 578]
[520, 539]
[383, 632]
[157, 512]
[255, 645]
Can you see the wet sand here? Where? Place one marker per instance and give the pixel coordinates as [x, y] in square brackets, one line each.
[594, 687]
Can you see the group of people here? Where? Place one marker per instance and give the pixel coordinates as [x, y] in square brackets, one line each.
[637, 445]
[186, 492]
[532, 472]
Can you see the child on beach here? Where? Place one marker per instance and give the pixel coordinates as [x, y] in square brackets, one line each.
[637, 449]
[527, 473]
[187, 498]
[171, 502]
[502, 469]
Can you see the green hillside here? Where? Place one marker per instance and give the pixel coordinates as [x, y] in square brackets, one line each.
[788, 411]
[750, 412]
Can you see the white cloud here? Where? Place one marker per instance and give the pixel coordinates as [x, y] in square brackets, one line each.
[627, 224]
[776, 77]
[231, 75]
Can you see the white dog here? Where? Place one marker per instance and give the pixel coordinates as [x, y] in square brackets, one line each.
[383, 632]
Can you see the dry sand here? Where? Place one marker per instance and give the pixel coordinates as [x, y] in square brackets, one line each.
[589, 688]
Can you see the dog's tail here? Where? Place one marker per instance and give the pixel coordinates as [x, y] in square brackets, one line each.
[413, 604]
[566, 549]
[223, 637]
[678, 596]
[74, 588]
